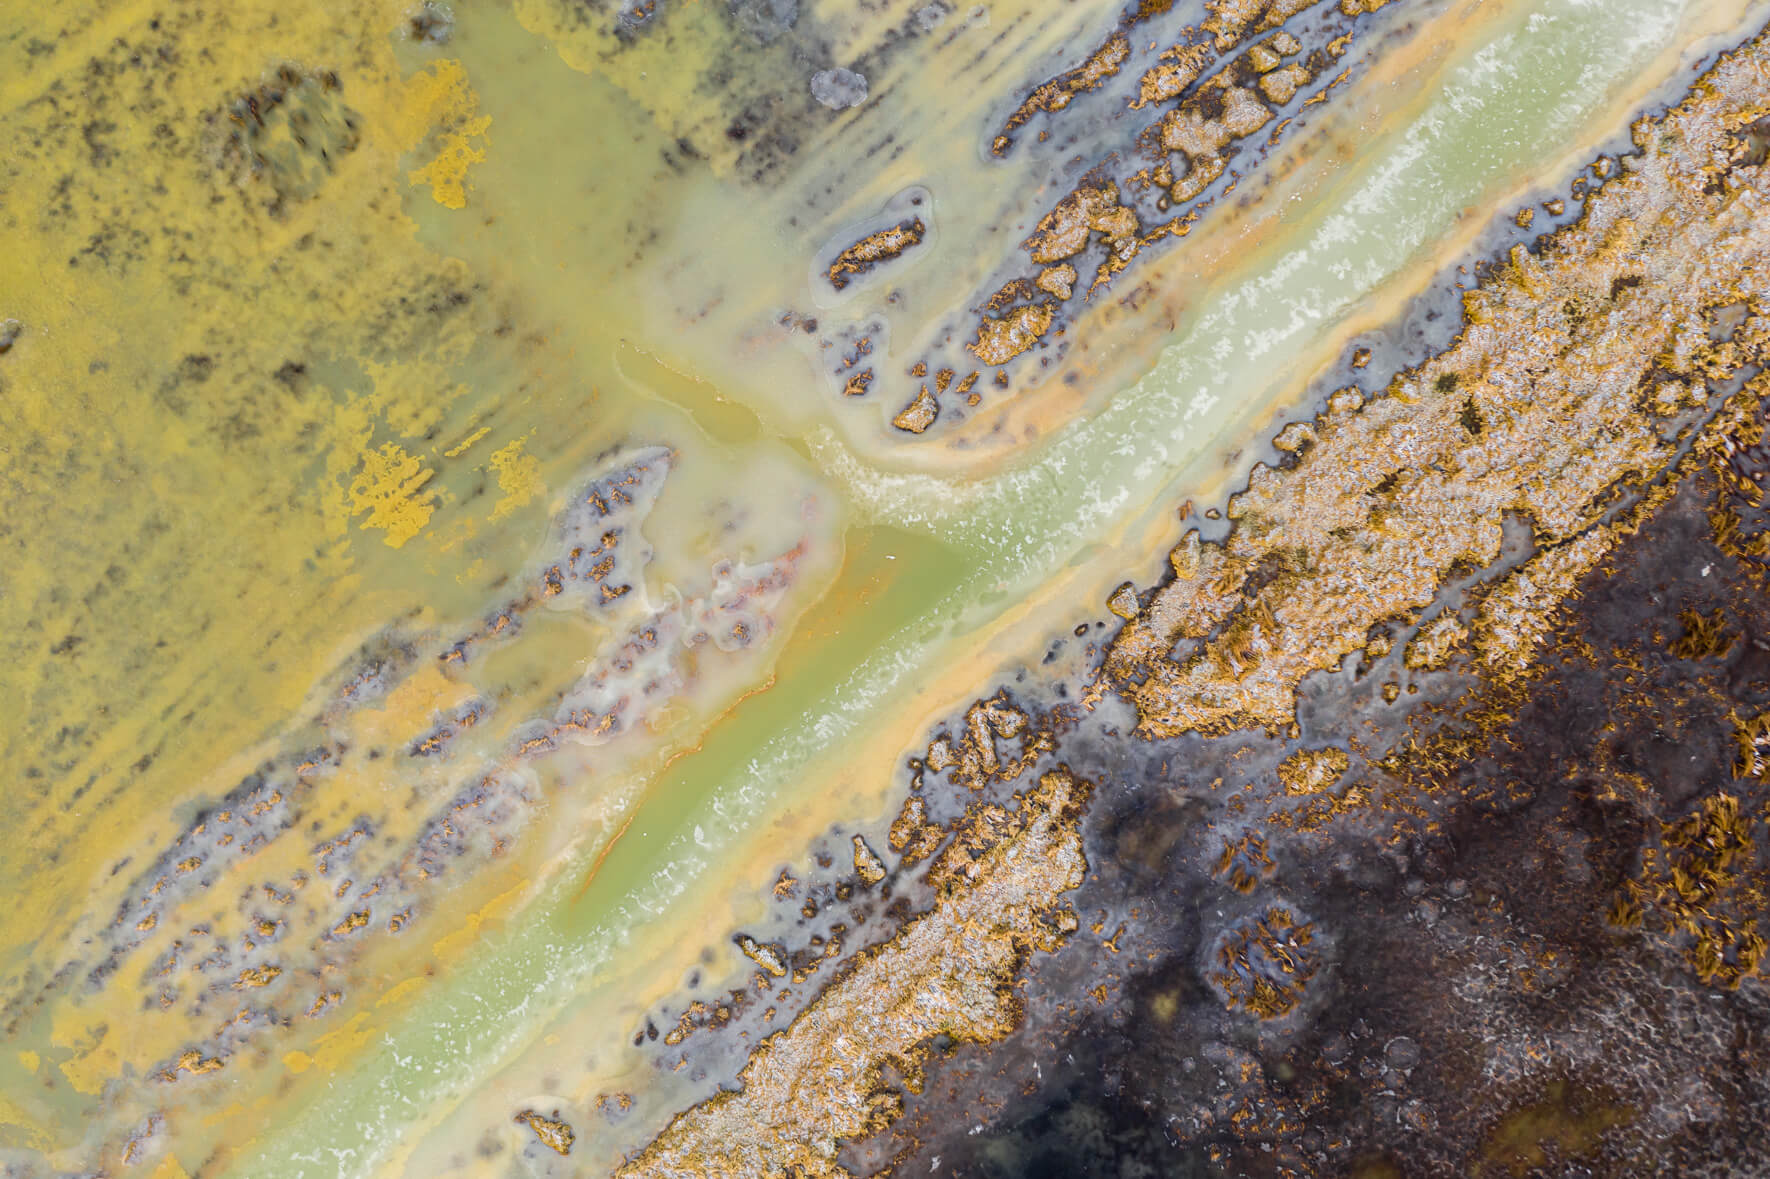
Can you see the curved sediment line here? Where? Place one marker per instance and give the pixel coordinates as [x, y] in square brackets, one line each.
[1087, 481]
[1580, 371]
[1533, 85]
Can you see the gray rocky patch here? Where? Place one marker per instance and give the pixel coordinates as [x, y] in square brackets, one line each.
[839, 89]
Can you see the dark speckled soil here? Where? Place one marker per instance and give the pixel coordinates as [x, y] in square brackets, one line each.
[1471, 1009]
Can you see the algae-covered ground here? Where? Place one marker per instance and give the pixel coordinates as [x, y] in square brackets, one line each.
[793, 587]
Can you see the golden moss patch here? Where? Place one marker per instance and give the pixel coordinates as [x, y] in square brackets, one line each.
[1394, 493]
[948, 972]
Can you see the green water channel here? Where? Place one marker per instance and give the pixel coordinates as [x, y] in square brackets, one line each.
[1499, 108]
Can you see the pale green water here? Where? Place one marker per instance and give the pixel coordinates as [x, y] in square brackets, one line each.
[1505, 105]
